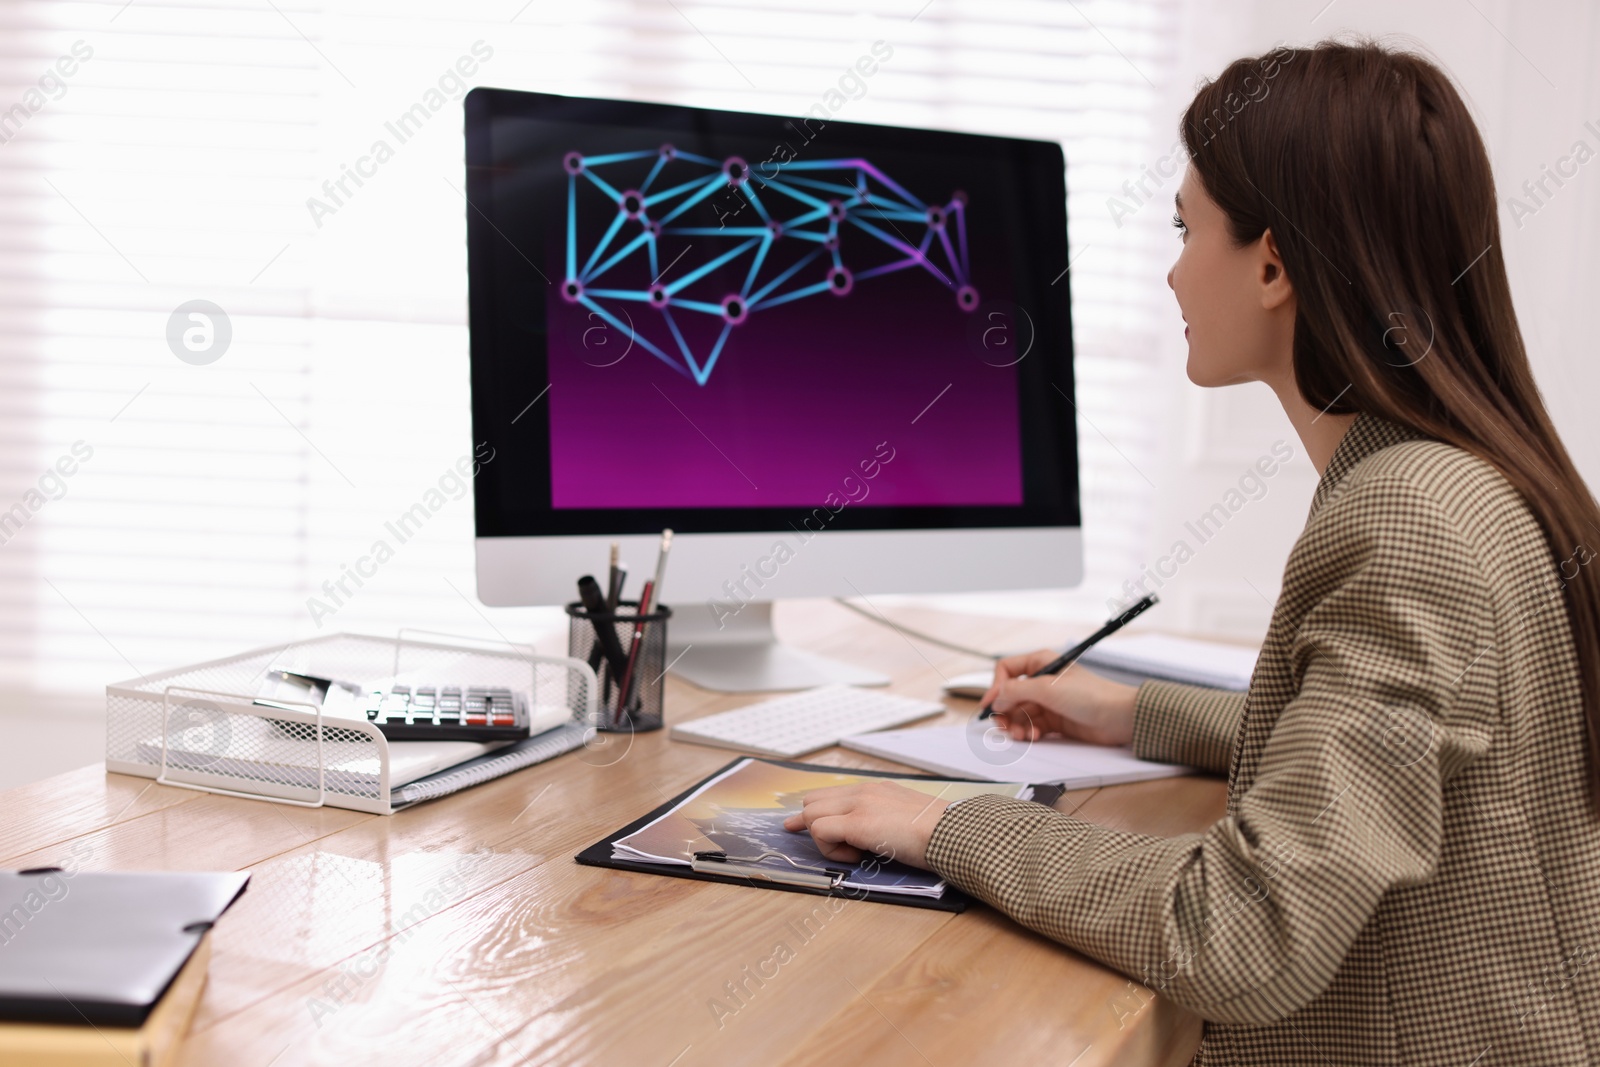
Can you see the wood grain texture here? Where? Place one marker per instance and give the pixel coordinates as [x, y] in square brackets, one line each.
[984, 990]
[565, 964]
[207, 833]
[78, 802]
[1024, 997]
[461, 931]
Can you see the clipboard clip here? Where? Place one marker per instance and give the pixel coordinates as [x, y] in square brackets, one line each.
[800, 874]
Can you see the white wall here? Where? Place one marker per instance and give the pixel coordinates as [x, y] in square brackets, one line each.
[1529, 72]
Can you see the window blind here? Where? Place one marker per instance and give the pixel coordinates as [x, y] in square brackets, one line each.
[156, 153]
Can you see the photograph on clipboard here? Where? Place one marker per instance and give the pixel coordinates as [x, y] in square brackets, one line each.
[733, 824]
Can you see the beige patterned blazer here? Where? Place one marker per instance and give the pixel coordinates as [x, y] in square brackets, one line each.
[1409, 869]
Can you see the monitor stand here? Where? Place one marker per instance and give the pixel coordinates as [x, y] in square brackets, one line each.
[744, 654]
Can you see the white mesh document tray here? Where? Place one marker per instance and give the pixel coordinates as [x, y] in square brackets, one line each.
[198, 727]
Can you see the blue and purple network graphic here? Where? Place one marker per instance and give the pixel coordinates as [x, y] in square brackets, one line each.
[814, 205]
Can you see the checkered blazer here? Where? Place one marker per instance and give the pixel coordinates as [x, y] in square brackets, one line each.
[1409, 868]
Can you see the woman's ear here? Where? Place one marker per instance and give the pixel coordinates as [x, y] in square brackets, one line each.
[1276, 289]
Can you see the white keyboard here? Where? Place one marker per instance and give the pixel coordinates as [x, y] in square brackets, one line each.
[804, 722]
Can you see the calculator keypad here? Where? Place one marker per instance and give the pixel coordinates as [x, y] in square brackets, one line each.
[448, 713]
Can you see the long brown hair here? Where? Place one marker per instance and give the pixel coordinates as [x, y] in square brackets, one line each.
[1368, 169]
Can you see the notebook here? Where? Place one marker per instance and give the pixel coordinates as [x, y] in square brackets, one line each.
[514, 757]
[154, 1044]
[101, 947]
[1177, 659]
[980, 749]
[1137, 657]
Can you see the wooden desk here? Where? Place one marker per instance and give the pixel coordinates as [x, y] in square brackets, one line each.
[461, 931]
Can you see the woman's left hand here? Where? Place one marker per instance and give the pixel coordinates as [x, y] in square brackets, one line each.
[883, 818]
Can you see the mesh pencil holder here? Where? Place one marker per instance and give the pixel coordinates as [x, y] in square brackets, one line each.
[637, 662]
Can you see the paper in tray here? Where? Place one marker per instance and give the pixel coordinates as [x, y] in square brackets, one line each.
[215, 738]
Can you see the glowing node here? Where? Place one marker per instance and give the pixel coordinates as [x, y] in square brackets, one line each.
[809, 261]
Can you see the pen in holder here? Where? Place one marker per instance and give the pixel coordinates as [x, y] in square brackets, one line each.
[628, 653]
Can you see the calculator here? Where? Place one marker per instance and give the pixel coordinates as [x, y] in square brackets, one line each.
[447, 713]
[406, 712]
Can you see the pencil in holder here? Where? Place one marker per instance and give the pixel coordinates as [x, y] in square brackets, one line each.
[631, 668]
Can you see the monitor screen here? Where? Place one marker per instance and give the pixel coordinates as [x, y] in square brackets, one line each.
[722, 321]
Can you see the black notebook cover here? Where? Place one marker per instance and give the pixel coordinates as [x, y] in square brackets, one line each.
[599, 853]
[100, 948]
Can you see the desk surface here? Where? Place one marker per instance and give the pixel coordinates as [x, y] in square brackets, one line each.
[461, 931]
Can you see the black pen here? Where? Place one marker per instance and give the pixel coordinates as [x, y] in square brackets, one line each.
[614, 585]
[605, 629]
[1058, 664]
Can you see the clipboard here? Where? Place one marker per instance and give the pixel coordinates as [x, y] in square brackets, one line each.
[819, 881]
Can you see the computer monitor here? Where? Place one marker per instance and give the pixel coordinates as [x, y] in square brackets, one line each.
[834, 358]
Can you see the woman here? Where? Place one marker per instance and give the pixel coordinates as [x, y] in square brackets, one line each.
[1409, 867]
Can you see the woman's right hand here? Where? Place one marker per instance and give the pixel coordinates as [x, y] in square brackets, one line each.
[1076, 704]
